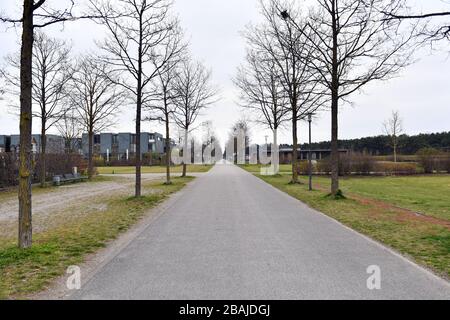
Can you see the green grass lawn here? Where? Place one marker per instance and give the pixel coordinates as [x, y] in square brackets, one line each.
[429, 195]
[153, 169]
[424, 241]
[26, 271]
[255, 168]
[426, 194]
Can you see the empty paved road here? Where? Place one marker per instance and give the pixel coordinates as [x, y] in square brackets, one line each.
[232, 236]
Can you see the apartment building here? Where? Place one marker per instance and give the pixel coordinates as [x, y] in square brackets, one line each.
[5, 143]
[123, 145]
[55, 143]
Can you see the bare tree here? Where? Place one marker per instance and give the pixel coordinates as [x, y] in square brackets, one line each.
[70, 128]
[210, 143]
[262, 90]
[353, 46]
[239, 139]
[136, 49]
[193, 92]
[95, 99]
[435, 28]
[161, 107]
[209, 134]
[286, 45]
[51, 65]
[393, 128]
[242, 125]
[35, 14]
[2, 84]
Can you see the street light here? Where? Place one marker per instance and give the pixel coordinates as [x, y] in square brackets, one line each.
[309, 152]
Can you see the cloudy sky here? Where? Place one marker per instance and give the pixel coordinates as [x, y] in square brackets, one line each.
[421, 93]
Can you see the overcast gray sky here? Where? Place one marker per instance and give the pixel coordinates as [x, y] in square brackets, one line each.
[421, 93]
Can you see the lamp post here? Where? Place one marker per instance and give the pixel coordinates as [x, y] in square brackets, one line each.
[309, 153]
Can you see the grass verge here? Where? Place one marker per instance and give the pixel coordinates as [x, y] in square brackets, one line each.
[154, 169]
[26, 271]
[423, 240]
[256, 168]
[424, 194]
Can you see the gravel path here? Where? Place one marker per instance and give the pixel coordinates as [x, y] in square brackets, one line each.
[45, 203]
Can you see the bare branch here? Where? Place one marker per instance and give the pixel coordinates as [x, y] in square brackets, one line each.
[136, 50]
[260, 84]
[193, 93]
[51, 72]
[352, 44]
[93, 96]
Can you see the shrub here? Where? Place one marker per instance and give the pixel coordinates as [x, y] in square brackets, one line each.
[147, 159]
[8, 170]
[152, 159]
[353, 162]
[57, 164]
[98, 161]
[114, 162]
[302, 167]
[396, 168]
[428, 159]
[345, 164]
[444, 163]
[324, 166]
[360, 163]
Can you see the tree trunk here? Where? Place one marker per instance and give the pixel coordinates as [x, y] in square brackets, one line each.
[43, 128]
[294, 149]
[137, 191]
[43, 153]
[395, 152]
[275, 153]
[334, 109]
[185, 153]
[90, 153]
[167, 151]
[138, 146]
[334, 147]
[25, 166]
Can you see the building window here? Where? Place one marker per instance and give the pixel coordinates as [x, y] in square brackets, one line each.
[96, 139]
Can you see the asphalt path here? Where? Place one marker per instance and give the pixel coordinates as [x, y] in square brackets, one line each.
[232, 236]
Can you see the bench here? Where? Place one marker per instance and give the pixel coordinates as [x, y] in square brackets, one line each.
[68, 178]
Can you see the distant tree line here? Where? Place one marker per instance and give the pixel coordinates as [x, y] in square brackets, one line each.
[380, 145]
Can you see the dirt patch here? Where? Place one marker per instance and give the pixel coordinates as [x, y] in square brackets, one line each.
[402, 214]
